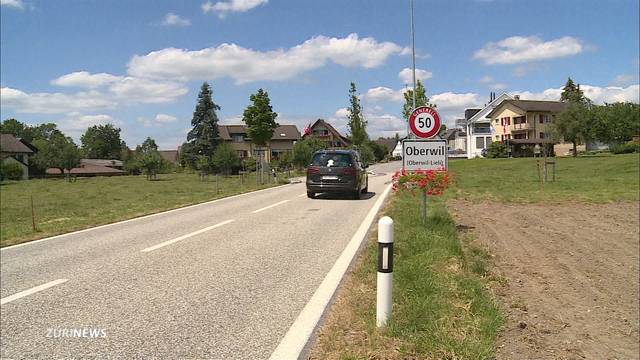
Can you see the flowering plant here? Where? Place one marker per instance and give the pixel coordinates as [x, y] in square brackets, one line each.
[431, 182]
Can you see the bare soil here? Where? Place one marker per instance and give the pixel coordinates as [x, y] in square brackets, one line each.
[568, 276]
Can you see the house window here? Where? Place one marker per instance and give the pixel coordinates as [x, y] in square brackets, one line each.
[237, 138]
[541, 119]
[541, 135]
[480, 142]
[488, 139]
[242, 153]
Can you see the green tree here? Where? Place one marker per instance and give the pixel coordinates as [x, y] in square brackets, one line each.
[204, 165]
[356, 122]
[203, 137]
[188, 156]
[379, 151]
[225, 158]
[260, 118]
[571, 93]
[497, 149]
[59, 152]
[149, 158]
[15, 127]
[572, 124]
[27, 132]
[303, 150]
[102, 142]
[421, 100]
[616, 123]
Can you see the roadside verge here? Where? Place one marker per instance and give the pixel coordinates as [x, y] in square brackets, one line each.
[442, 306]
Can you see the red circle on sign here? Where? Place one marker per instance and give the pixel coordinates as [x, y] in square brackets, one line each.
[421, 124]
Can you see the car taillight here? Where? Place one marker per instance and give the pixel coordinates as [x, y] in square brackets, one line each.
[349, 171]
[313, 170]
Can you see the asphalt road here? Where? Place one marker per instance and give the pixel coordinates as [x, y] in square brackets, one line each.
[221, 280]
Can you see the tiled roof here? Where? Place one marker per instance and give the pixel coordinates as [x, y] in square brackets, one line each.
[11, 144]
[282, 132]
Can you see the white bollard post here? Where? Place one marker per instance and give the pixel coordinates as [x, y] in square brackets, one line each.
[385, 271]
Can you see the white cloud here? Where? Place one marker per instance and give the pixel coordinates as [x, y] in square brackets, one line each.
[137, 90]
[229, 6]
[599, 95]
[85, 79]
[52, 103]
[384, 125]
[486, 79]
[519, 49]
[16, 4]
[164, 118]
[74, 124]
[382, 93]
[342, 113]
[247, 65]
[624, 80]
[172, 19]
[406, 75]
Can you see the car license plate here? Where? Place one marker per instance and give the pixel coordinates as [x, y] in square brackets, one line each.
[330, 177]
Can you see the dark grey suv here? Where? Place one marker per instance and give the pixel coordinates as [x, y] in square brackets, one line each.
[337, 171]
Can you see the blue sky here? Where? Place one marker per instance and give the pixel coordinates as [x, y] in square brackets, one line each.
[139, 64]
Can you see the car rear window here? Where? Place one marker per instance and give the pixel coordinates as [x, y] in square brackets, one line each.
[331, 160]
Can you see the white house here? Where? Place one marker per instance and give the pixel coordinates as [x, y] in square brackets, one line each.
[479, 127]
[397, 152]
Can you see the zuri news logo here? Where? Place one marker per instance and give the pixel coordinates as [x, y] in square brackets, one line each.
[76, 333]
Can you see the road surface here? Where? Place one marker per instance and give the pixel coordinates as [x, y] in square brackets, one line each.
[224, 279]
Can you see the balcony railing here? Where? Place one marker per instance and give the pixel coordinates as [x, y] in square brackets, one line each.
[522, 126]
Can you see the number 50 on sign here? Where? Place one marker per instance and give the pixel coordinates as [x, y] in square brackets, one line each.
[424, 122]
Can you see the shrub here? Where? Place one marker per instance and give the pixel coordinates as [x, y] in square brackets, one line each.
[11, 171]
[625, 148]
[497, 150]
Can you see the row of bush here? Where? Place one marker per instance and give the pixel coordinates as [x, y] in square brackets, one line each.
[10, 171]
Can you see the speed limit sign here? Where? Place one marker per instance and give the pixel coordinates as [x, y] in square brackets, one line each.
[424, 122]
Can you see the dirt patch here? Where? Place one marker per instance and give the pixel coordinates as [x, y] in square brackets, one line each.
[571, 272]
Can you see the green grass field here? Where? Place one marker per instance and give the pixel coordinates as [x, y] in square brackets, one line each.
[590, 178]
[441, 309]
[62, 206]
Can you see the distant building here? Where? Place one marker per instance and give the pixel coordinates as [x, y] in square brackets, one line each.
[327, 133]
[172, 156]
[456, 142]
[479, 129]
[112, 163]
[388, 144]
[283, 139]
[524, 123]
[18, 151]
[87, 170]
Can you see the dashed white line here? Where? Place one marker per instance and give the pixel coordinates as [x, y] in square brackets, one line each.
[186, 236]
[31, 291]
[301, 195]
[270, 206]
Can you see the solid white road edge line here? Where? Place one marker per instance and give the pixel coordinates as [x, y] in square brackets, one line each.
[299, 333]
[270, 206]
[301, 195]
[169, 242]
[139, 218]
[31, 291]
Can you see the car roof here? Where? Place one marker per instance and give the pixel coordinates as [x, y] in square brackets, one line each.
[325, 151]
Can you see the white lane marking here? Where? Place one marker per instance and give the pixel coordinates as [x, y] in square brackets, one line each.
[301, 195]
[270, 206]
[296, 338]
[140, 218]
[31, 291]
[169, 242]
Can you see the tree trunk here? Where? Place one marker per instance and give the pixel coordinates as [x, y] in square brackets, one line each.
[575, 149]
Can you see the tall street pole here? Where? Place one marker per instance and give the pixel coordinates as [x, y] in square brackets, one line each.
[413, 57]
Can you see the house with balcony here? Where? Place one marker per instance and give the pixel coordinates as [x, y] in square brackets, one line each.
[327, 133]
[524, 123]
[283, 139]
[479, 128]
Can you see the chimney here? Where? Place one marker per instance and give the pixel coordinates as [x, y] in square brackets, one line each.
[516, 97]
